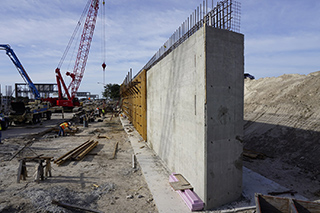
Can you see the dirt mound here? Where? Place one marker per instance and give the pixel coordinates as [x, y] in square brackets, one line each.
[282, 119]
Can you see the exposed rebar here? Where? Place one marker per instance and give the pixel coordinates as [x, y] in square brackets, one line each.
[225, 15]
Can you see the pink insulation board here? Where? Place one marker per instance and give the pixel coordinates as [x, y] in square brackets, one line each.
[192, 200]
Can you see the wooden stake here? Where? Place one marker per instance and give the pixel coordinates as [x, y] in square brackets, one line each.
[115, 151]
[48, 168]
[133, 161]
[22, 171]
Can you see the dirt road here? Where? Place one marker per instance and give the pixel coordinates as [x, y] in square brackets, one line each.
[97, 182]
[28, 129]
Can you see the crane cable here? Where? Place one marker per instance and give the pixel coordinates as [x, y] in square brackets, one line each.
[104, 35]
[74, 34]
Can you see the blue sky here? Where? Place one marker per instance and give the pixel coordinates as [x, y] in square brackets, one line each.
[281, 37]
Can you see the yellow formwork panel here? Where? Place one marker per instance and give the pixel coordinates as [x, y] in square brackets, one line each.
[134, 103]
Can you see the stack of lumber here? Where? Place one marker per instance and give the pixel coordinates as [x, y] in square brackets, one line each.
[77, 153]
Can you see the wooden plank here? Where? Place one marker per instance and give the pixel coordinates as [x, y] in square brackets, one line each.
[103, 136]
[19, 171]
[38, 157]
[68, 153]
[306, 206]
[181, 184]
[115, 151]
[70, 206]
[191, 199]
[271, 204]
[66, 156]
[86, 151]
[266, 204]
[78, 152]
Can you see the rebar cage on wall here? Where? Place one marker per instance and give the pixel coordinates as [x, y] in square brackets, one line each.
[225, 15]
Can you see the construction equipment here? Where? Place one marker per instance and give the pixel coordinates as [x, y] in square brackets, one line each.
[21, 113]
[70, 100]
[20, 68]
[32, 113]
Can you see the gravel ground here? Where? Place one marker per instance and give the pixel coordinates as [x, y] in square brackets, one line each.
[96, 182]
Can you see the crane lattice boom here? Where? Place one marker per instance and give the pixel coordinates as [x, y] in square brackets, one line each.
[84, 48]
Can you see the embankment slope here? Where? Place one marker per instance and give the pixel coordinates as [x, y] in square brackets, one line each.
[282, 119]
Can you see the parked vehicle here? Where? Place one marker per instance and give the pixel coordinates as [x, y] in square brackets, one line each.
[247, 75]
[32, 113]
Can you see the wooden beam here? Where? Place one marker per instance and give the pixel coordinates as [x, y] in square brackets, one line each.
[70, 206]
[115, 151]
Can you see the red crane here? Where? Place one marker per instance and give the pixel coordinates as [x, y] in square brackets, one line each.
[81, 60]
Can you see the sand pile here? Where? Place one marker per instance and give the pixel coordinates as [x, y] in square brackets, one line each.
[282, 119]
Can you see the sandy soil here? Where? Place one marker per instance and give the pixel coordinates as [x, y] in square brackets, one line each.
[282, 121]
[96, 182]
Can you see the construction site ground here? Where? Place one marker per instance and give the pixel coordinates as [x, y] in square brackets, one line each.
[281, 156]
[282, 123]
[96, 182]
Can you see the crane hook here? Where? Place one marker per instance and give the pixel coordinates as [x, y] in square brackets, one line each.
[104, 66]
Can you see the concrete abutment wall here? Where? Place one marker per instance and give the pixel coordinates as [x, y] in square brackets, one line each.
[224, 116]
[189, 107]
[195, 113]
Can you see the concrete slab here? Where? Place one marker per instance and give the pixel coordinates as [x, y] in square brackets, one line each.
[252, 183]
[156, 175]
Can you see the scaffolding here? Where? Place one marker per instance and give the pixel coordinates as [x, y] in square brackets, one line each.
[46, 90]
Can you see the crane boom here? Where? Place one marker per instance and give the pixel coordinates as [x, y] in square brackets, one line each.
[81, 60]
[20, 68]
[84, 48]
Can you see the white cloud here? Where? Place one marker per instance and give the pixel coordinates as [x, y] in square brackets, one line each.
[38, 31]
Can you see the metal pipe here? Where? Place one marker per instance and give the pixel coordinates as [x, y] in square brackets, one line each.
[206, 7]
[130, 75]
[197, 15]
